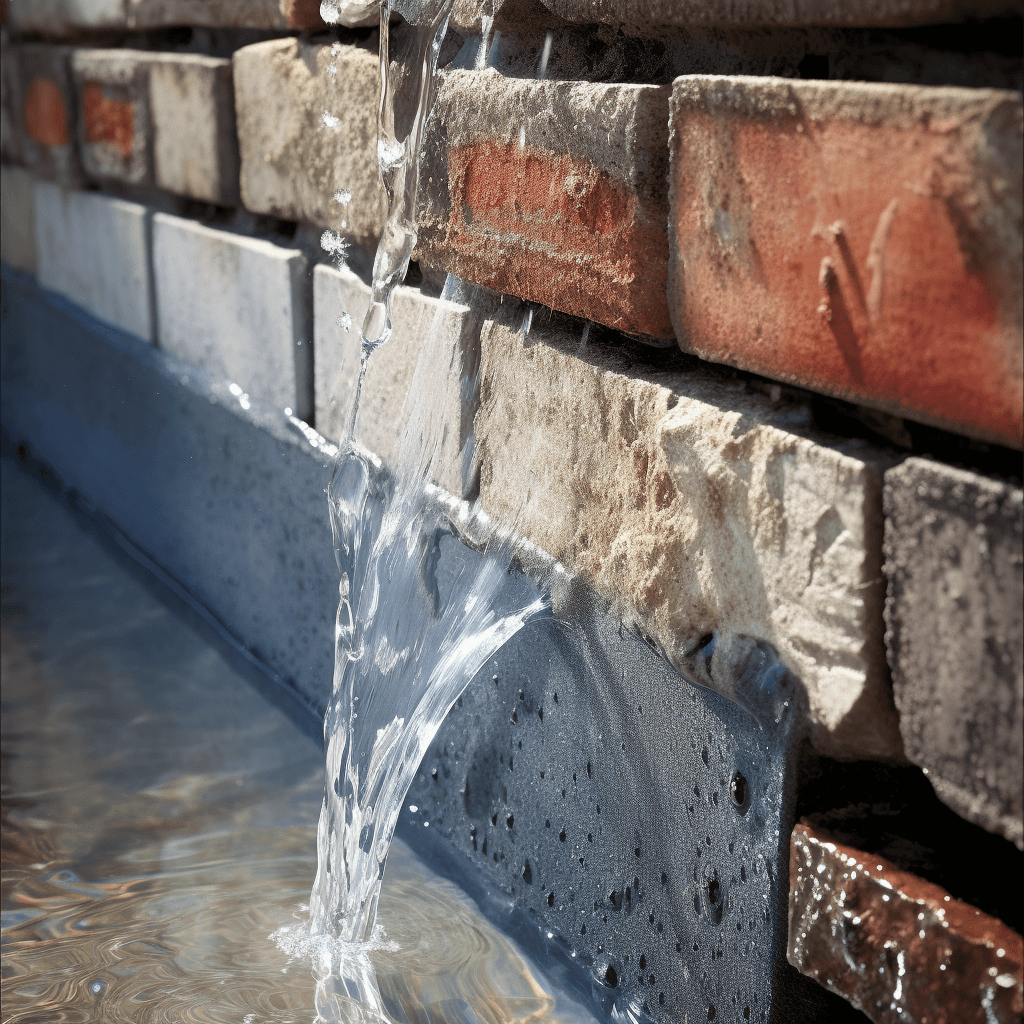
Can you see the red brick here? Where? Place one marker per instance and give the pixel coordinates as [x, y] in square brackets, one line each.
[45, 115]
[899, 948]
[555, 192]
[861, 240]
[107, 120]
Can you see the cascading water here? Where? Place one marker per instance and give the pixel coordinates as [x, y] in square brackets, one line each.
[410, 635]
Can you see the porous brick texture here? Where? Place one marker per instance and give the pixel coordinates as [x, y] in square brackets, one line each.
[17, 217]
[425, 329]
[70, 18]
[641, 16]
[195, 144]
[44, 114]
[896, 946]
[236, 306]
[955, 615]
[94, 250]
[554, 192]
[862, 240]
[307, 129]
[114, 122]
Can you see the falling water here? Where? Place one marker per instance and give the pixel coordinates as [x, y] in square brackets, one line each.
[413, 624]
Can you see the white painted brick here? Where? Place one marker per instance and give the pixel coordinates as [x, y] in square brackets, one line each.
[439, 331]
[236, 306]
[94, 250]
[17, 214]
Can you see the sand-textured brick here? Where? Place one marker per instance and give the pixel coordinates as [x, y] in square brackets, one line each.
[954, 549]
[307, 131]
[896, 946]
[195, 144]
[643, 17]
[94, 250]
[236, 306]
[862, 240]
[553, 192]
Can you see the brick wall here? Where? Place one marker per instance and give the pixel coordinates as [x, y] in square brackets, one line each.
[758, 364]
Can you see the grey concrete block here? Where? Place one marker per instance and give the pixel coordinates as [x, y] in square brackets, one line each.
[307, 129]
[239, 307]
[228, 500]
[17, 214]
[45, 111]
[114, 124]
[260, 14]
[195, 144]
[955, 630]
[94, 250]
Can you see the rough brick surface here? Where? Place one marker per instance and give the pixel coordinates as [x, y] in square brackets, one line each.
[195, 144]
[899, 948]
[262, 14]
[114, 122]
[236, 306]
[554, 192]
[45, 115]
[955, 616]
[62, 18]
[641, 16]
[94, 250]
[17, 215]
[862, 240]
[292, 162]
[423, 327]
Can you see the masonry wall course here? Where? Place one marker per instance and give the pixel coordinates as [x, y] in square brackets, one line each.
[238, 307]
[954, 613]
[94, 250]
[645, 16]
[861, 240]
[551, 191]
[292, 162]
[17, 217]
[45, 114]
[195, 143]
[65, 18]
[10, 103]
[896, 946]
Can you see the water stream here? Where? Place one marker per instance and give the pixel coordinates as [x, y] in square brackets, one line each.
[410, 635]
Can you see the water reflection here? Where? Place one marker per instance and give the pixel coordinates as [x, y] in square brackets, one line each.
[158, 823]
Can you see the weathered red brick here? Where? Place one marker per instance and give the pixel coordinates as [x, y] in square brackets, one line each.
[861, 240]
[899, 948]
[107, 120]
[45, 115]
[554, 192]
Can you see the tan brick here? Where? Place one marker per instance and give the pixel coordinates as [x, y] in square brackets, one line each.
[644, 16]
[292, 163]
[695, 506]
[195, 144]
[861, 240]
[554, 192]
[899, 948]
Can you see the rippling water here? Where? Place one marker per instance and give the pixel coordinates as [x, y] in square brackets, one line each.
[159, 822]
